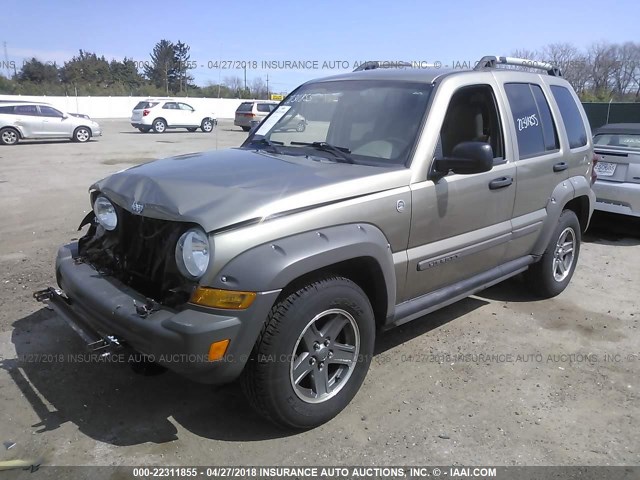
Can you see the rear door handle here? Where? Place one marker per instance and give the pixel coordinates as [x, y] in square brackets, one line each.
[559, 167]
[500, 183]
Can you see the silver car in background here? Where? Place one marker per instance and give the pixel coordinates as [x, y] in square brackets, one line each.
[22, 120]
[618, 185]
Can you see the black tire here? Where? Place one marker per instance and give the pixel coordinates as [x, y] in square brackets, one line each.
[268, 378]
[551, 275]
[81, 134]
[207, 125]
[246, 129]
[301, 127]
[144, 129]
[192, 129]
[9, 136]
[159, 125]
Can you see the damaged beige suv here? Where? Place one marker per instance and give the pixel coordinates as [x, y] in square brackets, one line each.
[277, 262]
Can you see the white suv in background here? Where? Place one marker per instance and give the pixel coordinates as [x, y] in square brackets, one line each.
[158, 114]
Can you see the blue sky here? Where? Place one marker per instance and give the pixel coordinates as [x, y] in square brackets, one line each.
[322, 31]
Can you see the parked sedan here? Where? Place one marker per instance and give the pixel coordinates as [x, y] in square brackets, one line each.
[618, 185]
[22, 120]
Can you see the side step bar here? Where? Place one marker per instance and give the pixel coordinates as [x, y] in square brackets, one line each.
[57, 301]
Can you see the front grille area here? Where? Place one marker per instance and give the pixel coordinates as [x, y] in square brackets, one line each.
[140, 252]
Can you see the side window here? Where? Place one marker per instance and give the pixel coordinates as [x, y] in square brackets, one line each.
[6, 109]
[272, 107]
[530, 116]
[548, 126]
[184, 106]
[170, 106]
[264, 107]
[50, 112]
[472, 116]
[570, 116]
[26, 110]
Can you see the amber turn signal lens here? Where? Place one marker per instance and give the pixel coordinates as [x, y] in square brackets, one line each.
[217, 350]
[216, 298]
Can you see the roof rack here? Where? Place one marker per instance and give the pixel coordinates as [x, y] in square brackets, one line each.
[381, 64]
[492, 62]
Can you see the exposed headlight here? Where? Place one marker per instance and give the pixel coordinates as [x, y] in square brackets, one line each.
[192, 253]
[105, 213]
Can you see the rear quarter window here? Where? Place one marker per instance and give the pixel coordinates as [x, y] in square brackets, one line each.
[6, 109]
[264, 107]
[142, 105]
[571, 117]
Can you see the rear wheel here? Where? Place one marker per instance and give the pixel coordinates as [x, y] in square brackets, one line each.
[301, 127]
[207, 125]
[312, 355]
[159, 125]
[551, 275]
[9, 136]
[246, 129]
[81, 134]
[144, 129]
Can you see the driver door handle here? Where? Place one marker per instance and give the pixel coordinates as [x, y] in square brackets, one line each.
[559, 167]
[501, 182]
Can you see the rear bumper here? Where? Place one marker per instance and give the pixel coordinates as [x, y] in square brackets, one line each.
[139, 125]
[176, 339]
[617, 197]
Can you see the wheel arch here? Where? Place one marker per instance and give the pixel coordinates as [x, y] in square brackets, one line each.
[15, 128]
[359, 252]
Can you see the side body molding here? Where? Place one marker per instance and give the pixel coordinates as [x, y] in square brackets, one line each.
[273, 265]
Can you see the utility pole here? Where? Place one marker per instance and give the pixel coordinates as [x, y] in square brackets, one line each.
[245, 78]
[268, 97]
[6, 59]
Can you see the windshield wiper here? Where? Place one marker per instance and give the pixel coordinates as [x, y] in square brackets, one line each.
[263, 142]
[341, 153]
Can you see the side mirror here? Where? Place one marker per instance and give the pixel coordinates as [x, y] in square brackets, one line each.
[467, 158]
[65, 116]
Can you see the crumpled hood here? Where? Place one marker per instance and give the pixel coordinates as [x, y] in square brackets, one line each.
[226, 187]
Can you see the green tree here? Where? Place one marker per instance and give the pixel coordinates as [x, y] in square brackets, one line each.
[37, 72]
[181, 79]
[161, 70]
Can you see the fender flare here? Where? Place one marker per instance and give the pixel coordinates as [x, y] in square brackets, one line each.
[563, 193]
[273, 265]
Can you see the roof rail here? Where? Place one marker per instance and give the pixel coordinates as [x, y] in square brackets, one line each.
[381, 64]
[492, 62]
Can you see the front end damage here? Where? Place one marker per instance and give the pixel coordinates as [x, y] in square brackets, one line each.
[122, 290]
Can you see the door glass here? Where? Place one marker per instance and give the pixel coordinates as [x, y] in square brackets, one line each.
[50, 112]
[472, 116]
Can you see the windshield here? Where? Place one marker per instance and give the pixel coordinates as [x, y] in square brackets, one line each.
[628, 140]
[366, 121]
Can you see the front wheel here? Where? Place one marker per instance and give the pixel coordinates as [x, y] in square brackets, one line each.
[159, 125]
[551, 275]
[312, 354]
[81, 134]
[207, 125]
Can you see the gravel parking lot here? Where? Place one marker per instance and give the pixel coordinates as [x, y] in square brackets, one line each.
[498, 378]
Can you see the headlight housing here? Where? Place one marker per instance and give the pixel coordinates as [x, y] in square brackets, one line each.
[105, 212]
[193, 253]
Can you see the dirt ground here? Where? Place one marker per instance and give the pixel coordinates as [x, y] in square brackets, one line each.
[497, 379]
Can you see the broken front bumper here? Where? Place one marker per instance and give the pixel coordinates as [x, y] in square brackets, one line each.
[101, 308]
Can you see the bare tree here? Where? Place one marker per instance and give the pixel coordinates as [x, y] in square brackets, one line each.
[572, 63]
[627, 62]
[258, 88]
[602, 60]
